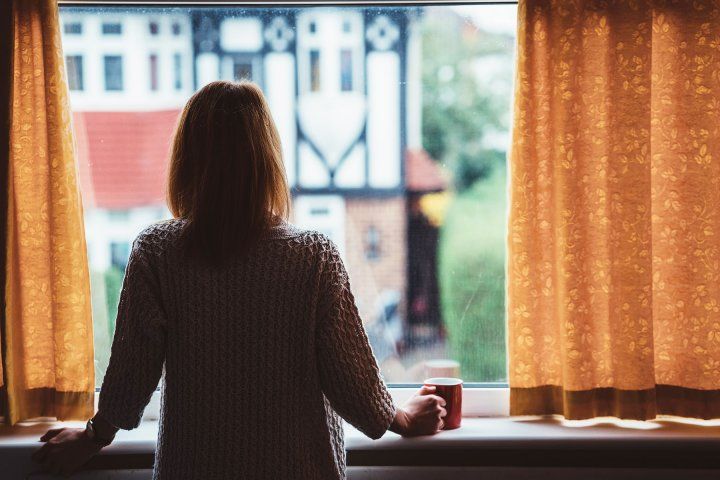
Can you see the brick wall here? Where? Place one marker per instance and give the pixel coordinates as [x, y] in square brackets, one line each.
[387, 272]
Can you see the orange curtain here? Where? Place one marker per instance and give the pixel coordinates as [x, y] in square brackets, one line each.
[614, 241]
[48, 352]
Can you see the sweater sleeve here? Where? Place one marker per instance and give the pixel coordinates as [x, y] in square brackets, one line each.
[138, 349]
[349, 374]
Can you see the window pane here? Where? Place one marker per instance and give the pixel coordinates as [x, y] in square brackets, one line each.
[154, 28]
[177, 65]
[120, 254]
[113, 72]
[73, 28]
[242, 69]
[153, 72]
[394, 124]
[314, 70]
[74, 66]
[112, 28]
[346, 72]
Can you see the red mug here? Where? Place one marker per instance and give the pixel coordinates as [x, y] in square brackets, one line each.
[450, 389]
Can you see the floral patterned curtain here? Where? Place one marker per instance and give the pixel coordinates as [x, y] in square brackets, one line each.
[48, 354]
[614, 242]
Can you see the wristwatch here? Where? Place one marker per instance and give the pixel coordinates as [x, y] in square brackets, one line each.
[93, 434]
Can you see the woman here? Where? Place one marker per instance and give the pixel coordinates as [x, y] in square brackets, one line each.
[251, 319]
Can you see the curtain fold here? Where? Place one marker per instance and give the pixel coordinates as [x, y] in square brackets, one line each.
[614, 241]
[48, 350]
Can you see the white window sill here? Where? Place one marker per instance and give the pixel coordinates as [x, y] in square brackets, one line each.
[479, 443]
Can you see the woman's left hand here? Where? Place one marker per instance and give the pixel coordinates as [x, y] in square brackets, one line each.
[65, 450]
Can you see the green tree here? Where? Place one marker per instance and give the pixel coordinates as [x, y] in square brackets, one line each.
[457, 111]
[460, 108]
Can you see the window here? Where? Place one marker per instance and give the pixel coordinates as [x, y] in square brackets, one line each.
[242, 69]
[372, 243]
[74, 66]
[177, 67]
[119, 254]
[111, 29]
[346, 70]
[113, 72]
[315, 70]
[153, 72]
[154, 28]
[407, 174]
[73, 28]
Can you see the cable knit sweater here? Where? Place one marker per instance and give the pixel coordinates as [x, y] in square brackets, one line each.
[258, 356]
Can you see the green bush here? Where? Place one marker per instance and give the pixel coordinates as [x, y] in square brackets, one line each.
[113, 284]
[472, 279]
[105, 289]
[474, 307]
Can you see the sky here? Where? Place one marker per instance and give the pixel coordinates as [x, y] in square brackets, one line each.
[491, 18]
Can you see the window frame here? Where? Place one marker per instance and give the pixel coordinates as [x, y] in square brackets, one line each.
[488, 399]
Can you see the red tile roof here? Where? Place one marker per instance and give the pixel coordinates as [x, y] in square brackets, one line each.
[123, 156]
[422, 173]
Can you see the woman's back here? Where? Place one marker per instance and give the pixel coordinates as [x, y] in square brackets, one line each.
[252, 321]
[251, 349]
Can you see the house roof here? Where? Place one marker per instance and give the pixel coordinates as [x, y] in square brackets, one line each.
[422, 173]
[123, 156]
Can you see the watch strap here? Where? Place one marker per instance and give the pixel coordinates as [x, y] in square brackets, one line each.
[93, 435]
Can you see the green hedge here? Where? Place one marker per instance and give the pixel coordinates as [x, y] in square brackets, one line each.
[113, 284]
[472, 279]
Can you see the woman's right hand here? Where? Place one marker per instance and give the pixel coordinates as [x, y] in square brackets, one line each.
[422, 414]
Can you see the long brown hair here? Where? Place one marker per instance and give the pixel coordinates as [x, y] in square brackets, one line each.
[226, 176]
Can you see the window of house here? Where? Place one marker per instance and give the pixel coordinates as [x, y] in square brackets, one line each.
[315, 70]
[346, 70]
[154, 72]
[72, 28]
[242, 69]
[154, 28]
[372, 243]
[119, 254]
[74, 66]
[111, 28]
[397, 172]
[177, 67]
[113, 72]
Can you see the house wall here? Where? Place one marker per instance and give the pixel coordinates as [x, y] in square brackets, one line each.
[375, 280]
[135, 45]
